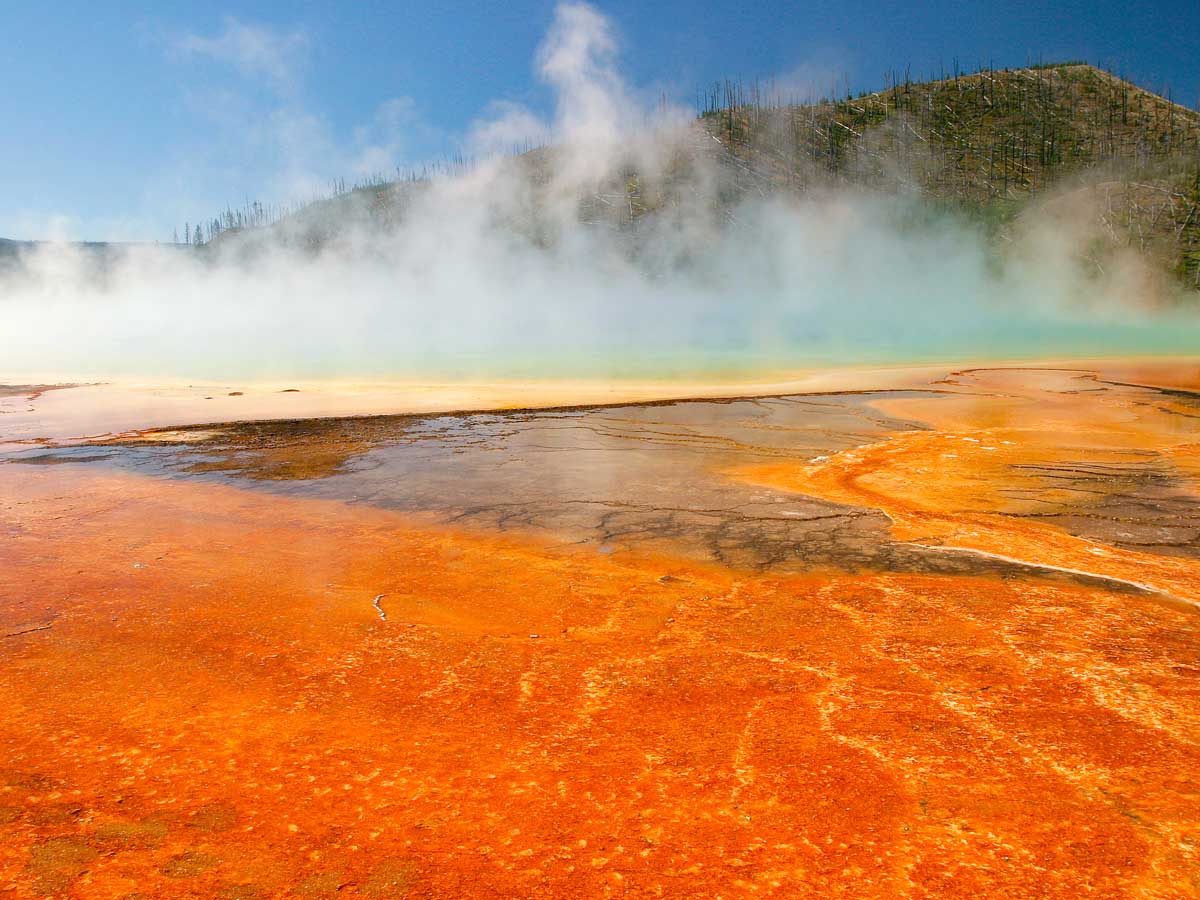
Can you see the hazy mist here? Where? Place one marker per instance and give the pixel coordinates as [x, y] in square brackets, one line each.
[502, 271]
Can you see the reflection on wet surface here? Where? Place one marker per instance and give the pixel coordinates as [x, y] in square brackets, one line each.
[611, 478]
[751, 648]
[656, 476]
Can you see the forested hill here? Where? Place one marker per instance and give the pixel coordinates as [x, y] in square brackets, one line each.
[992, 145]
[990, 141]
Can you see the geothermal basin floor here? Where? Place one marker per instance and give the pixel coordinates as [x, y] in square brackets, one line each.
[938, 639]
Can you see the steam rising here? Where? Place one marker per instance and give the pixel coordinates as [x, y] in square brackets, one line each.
[533, 266]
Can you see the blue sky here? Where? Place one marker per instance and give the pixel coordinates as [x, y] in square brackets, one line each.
[121, 119]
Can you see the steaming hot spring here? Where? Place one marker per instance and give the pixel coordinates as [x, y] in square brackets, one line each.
[783, 498]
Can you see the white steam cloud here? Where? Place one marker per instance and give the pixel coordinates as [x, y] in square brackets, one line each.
[252, 49]
[537, 265]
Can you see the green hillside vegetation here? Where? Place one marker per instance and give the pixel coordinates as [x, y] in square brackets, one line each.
[990, 141]
[1070, 140]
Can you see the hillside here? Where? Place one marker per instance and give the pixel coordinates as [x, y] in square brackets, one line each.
[989, 142]
[1112, 161]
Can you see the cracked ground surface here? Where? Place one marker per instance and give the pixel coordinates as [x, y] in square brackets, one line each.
[919, 644]
[642, 476]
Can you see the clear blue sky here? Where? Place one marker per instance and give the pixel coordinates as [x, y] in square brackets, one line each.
[120, 119]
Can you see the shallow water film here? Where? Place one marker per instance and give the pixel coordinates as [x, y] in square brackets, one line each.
[938, 640]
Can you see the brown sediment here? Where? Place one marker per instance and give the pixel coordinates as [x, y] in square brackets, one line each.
[31, 391]
[299, 449]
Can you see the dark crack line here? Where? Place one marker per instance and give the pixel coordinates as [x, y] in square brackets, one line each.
[30, 630]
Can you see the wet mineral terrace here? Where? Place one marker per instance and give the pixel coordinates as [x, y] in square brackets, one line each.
[930, 643]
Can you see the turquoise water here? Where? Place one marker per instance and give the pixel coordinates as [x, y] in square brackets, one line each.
[851, 282]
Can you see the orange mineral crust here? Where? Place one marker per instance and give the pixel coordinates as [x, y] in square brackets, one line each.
[1007, 444]
[209, 691]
